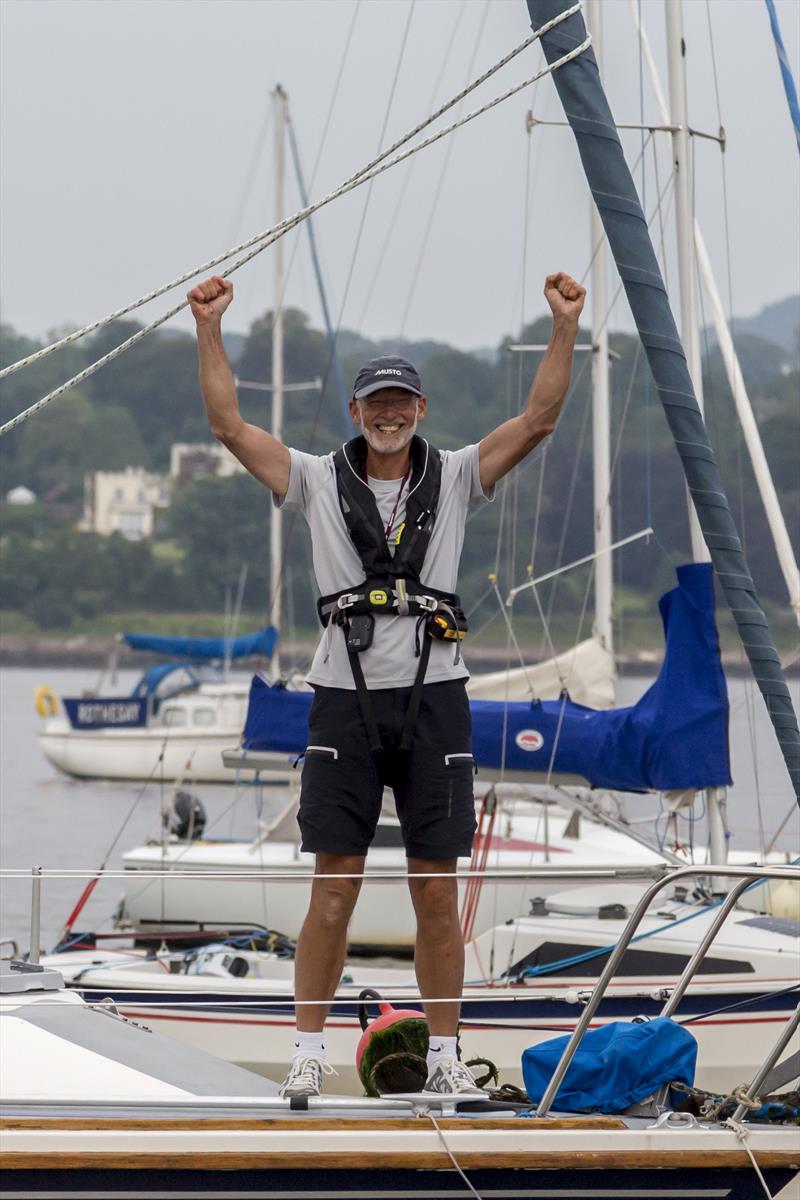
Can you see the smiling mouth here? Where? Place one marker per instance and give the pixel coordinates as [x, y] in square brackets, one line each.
[388, 428]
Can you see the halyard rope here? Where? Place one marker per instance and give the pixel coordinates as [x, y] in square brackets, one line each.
[450, 1154]
[742, 1134]
[288, 222]
[267, 238]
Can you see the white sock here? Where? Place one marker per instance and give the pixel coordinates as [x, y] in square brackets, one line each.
[441, 1047]
[308, 1045]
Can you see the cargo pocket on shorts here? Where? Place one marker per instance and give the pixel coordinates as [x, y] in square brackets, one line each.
[459, 769]
[328, 753]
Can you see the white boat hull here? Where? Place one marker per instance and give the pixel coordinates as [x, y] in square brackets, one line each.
[155, 753]
[195, 888]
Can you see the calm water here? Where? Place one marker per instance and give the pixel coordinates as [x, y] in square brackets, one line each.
[50, 820]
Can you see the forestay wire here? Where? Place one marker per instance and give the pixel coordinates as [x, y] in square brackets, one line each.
[261, 241]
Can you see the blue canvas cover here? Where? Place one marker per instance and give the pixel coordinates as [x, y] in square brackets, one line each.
[615, 1066]
[247, 646]
[675, 736]
[580, 90]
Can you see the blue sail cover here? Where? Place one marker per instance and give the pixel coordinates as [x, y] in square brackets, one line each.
[585, 106]
[247, 646]
[676, 736]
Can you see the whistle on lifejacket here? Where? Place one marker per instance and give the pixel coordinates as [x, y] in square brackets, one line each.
[446, 626]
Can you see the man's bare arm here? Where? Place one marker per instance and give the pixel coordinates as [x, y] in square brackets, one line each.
[510, 442]
[261, 454]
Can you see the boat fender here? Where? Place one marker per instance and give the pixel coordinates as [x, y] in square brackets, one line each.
[45, 701]
[397, 1034]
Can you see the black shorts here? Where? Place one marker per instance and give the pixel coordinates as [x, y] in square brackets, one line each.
[342, 783]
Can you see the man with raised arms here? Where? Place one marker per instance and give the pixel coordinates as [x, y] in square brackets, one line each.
[387, 513]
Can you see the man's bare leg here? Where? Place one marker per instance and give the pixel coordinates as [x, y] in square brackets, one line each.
[439, 951]
[322, 944]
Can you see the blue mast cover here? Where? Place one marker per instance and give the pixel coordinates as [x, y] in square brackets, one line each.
[675, 736]
[247, 646]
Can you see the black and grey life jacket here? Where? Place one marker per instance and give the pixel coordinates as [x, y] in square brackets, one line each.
[393, 584]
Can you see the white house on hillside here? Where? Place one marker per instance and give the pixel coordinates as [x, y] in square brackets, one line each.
[190, 459]
[123, 502]
[128, 501]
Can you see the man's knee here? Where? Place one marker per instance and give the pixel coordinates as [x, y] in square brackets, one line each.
[333, 899]
[434, 889]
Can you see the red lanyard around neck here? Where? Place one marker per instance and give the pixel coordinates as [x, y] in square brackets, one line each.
[390, 522]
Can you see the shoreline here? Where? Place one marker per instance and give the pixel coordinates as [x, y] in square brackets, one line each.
[94, 651]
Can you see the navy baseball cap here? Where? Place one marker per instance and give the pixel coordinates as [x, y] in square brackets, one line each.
[386, 372]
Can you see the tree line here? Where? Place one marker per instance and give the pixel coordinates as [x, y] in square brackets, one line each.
[130, 412]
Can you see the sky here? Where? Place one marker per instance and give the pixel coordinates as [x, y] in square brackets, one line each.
[137, 141]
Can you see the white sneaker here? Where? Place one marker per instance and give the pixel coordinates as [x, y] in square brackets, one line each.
[305, 1077]
[450, 1077]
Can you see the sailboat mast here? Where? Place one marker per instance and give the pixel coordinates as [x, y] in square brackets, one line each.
[684, 219]
[275, 528]
[586, 108]
[601, 427]
[744, 409]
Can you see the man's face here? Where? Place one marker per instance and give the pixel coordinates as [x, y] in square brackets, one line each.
[388, 418]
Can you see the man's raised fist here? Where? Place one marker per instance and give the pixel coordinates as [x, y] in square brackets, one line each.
[209, 299]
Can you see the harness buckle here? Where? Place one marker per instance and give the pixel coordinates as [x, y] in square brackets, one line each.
[347, 600]
[428, 604]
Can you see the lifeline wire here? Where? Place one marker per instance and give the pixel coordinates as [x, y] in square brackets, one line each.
[284, 228]
[289, 222]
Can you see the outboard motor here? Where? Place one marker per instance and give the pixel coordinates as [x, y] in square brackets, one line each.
[188, 817]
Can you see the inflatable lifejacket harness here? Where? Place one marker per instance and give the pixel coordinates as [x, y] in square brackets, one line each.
[439, 613]
[392, 585]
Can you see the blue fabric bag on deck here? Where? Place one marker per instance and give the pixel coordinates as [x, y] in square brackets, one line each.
[614, 1066]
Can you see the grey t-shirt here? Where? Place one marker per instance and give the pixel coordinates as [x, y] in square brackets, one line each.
[390, 661]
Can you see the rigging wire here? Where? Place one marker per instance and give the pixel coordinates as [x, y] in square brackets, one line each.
[395, 218]
[381, 136]
[324, 135]
[662, 196]
[332, 354]
[364, 176]
[359, 177]
[578, 378]
[250, 175]
[415, 274]
[750, 686]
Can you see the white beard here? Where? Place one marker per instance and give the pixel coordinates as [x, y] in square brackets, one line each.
[382, 444]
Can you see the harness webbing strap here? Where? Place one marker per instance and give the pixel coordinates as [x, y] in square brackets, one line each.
[415, 699]
[365, 704]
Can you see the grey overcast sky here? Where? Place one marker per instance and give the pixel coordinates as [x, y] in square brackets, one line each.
[137, 143]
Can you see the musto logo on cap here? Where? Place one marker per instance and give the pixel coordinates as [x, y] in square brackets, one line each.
[529, 739]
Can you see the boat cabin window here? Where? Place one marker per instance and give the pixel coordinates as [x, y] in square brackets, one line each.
[635, 961]
[203, 716]
[174, 716]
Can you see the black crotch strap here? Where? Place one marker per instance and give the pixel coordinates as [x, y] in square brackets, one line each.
[412, 712]
[365, 703]
[414, 700]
